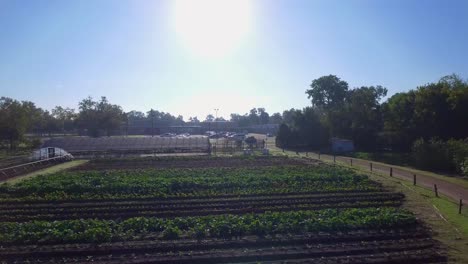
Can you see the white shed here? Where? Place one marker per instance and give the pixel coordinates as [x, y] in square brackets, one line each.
[49, 152]
[340, 145]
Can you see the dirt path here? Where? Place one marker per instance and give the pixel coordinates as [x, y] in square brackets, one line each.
[449, 189]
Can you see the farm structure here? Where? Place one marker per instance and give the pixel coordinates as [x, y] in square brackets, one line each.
[339, 145]
[209, 210]
[118, 144]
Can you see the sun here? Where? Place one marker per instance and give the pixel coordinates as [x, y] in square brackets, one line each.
[212, 28]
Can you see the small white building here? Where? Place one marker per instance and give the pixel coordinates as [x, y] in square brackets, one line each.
[340, 145]
[48, 153]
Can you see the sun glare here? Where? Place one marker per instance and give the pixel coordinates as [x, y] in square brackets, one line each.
[212, 28]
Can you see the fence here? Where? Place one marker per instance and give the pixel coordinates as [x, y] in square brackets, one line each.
[227, 146]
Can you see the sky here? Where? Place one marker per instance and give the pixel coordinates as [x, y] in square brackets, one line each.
[190, 57]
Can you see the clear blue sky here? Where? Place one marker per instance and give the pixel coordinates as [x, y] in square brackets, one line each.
[146, 54]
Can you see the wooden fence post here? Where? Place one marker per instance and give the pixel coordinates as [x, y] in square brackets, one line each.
[370, 165]
[435, 190]
[414, 179]
[351, 162]
[460, 206]
[391, 172]
[334, 158]
[307, 154]
[319, 155]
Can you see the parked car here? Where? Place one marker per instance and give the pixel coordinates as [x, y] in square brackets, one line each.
[238, 137]
[168, 135]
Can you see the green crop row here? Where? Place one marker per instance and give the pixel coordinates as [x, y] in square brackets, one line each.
[186, 182]
[219, 226]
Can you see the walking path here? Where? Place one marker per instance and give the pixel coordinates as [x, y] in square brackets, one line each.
[450, 189]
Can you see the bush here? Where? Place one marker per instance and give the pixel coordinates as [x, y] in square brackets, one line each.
[34, 143]
[459, 153]
[464, 167]
[439, 155]
[251, 141]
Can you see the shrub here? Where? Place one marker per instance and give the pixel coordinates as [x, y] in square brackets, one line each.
[439, 155]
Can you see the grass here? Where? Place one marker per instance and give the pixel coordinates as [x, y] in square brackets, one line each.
[440, 214]
[49, 170]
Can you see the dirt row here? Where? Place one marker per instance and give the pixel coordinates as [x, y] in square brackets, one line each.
[421, 248]
[150, 242]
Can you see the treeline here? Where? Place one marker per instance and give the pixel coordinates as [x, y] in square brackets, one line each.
[432, 118]
[18, 118]
[93, 118]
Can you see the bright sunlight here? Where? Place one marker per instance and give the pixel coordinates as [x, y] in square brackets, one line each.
[212, 28]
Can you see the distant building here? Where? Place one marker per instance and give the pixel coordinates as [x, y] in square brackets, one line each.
[339, 145]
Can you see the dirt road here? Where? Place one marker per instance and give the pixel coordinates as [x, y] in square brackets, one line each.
[449, 189]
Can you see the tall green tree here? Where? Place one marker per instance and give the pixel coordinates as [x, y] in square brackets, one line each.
[65, 117]
[13, 121]
[96, 116]
[364, 114]
[328, 92]
[328, 95]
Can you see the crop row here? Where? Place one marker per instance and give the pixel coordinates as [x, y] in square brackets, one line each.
[199, 227]
[190, 162]
[179, 201]
[124, 214]
[191, 209]
[150, 244]
[186, 183]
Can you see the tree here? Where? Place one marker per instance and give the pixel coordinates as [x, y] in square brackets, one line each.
[194, 120]
[241, 120]
[135, 115]
[263, 116]
[328, 96]
[434, 110]
[364, 115]
[65, 117]
[253, 117]
[328, 92]
[302, 128]
[13, 121]
[276, 118]
[96, 116]
[283, 138]
[209, 118]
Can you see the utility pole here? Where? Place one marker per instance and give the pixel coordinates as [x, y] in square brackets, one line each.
[216, 119]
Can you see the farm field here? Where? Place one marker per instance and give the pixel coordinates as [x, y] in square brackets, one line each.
[209, 210]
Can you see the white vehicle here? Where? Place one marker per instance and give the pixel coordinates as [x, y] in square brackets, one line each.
[238, 137]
